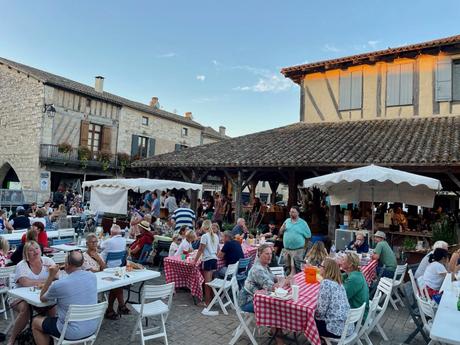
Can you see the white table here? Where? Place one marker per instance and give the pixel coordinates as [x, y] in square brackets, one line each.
[446, 323]
[136, 276]
[68, 247]
[18, 235]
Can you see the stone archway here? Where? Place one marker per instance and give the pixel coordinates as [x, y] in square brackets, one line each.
[7, 174]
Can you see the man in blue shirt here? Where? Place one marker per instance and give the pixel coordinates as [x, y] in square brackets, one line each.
[296, 233]
[231, 252]
[148, 202]
[155, 205]
[79, 287]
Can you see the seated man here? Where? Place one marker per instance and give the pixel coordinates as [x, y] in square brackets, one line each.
[116, 243]
[359, 244]
[146, 237]
[271, 232]
[231, 252]
[385, 255]
[240, 228]
[79, 287]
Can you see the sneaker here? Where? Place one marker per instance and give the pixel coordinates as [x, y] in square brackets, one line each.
[207, 312]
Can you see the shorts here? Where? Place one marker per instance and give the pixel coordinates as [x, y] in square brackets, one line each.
[210, 265]
[49, 326]
[293, 254]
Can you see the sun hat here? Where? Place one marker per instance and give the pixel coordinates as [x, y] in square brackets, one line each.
[380, 234]
[145, 225]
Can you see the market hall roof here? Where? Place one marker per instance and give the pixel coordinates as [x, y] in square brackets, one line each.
[67, 84]
[430, 47]
[430, 141]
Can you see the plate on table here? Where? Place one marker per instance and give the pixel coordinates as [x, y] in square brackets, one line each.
[284, 298]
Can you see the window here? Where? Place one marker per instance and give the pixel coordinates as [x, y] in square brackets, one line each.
[145, 121]
[142, 147]
[180, 147]
[399, 84]
[184, 131]
[94, 137]
[456, 80]
[350, 90]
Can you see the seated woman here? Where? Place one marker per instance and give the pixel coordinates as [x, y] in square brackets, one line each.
[436, 271]
[4, 248]
[185, 247]
[359, 244]
[42, 236]
[354, 283]
[316, 254]
[259, 278]
[332, 308]
[31, 271]
[30, 235]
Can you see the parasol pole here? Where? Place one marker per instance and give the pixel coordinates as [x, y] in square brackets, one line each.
[373, 216]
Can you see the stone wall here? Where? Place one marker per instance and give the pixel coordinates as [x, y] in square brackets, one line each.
[21, 104]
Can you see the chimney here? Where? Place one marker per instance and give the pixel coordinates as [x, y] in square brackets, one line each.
[188, 115]
[99, 84]
[222, 130]
[154, 102]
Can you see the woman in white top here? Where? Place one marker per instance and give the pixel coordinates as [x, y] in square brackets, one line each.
[185, 247]
[176, 241]
[209, 247]
[39, 217]
[31, 271]
[436, 271]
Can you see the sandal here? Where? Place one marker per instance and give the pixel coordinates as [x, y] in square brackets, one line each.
[123, 310]
[111, 315]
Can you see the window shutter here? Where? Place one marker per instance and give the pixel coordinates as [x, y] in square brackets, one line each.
[393, 75]
[456, 81]
[177, 148]
[134, 145]
[345, 91]
[84, 128]
[151, 147]
[356, 89]
[443, 80]
[106, 138]
[406, 83]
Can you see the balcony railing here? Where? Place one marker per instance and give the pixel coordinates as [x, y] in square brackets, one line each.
[55, 154]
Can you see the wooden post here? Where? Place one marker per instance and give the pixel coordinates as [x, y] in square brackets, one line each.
[331, 223]
[252, 189]
[194, 193]
[292, 184]
[273, 187]
[238, 190]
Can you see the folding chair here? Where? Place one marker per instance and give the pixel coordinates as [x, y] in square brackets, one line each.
[277, 271]
[409, 294]
[355, 317]
[68, 232]
[153, 309]
[61, 241]
[161, 252]
[220, 289]
[78, 313]
[398, 279]
[242, 272]
[244, 318]
[145, 253]
[114, 257]
[6, 280]
[377, 307]
[59, 257]
[426, 314]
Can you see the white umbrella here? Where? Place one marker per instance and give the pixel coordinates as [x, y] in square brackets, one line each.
[375, 183]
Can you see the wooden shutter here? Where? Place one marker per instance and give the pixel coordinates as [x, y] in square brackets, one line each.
[177, 147]
[84, 128]
[456, 80]
[106, 138]
[345, 91]
[356, 89]
[393, 76]
[151, 147]
[443, 88]
[134, 145]
[406, 83]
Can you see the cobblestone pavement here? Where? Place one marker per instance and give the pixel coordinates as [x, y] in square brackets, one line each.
[187, 326]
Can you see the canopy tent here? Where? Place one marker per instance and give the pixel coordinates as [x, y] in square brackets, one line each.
[375, 183]
[111, 195]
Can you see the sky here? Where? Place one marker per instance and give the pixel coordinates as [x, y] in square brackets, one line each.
[221, 60]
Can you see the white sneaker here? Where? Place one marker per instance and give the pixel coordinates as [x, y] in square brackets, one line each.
[207, 312]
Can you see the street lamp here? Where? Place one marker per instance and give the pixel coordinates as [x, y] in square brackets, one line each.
[50, 110]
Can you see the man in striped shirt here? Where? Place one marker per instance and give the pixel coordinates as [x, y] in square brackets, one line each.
[183, 216]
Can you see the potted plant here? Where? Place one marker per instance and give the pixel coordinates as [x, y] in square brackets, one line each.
[105, 157]
[409, 244]
[84, 154]
[64, 147]
[444, 230]
[124, 160]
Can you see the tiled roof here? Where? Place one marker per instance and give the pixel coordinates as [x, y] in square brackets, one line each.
[295, 72]
[64, 83]
[406, 142]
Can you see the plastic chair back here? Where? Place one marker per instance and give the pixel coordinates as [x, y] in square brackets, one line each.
[115, 256]
[146, 249]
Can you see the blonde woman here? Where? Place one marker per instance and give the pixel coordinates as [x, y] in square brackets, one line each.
[4, 248]
[185, 247]
[317, 254]
[332, 308]
[216, 230]
[209, 247]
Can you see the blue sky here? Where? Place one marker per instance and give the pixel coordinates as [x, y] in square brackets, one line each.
[218, 59]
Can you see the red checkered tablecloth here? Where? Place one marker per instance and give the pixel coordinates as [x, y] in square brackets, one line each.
[297, 316]
[184, 274]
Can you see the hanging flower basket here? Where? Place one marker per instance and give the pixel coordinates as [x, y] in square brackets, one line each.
[64, 147]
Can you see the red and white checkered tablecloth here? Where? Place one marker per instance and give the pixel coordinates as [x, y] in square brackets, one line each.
[184, 274]
[297, 316]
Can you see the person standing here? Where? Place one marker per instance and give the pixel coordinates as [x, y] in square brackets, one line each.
[183, 216]
[296, 233]
[155, 205]
[170, 202]
[148, 201]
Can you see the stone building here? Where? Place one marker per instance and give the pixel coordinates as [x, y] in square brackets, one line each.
[55, 130]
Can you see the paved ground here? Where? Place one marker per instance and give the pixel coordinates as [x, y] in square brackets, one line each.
[186, 326]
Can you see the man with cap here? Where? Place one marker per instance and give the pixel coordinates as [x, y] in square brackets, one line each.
[20, 221]
[146, 237]
[385, 255]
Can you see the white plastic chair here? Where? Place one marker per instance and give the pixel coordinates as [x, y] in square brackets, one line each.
[82, 313]
[377, 307]
[277, 271]
[397, 281]
[59, 257]
[355, 317]
[418, 286]
[7, 280]
[155, 308]
[426, 314]
[220, 289]
[69, 232]
[244, 318]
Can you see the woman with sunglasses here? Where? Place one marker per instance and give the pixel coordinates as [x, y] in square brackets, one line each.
[92, 260]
